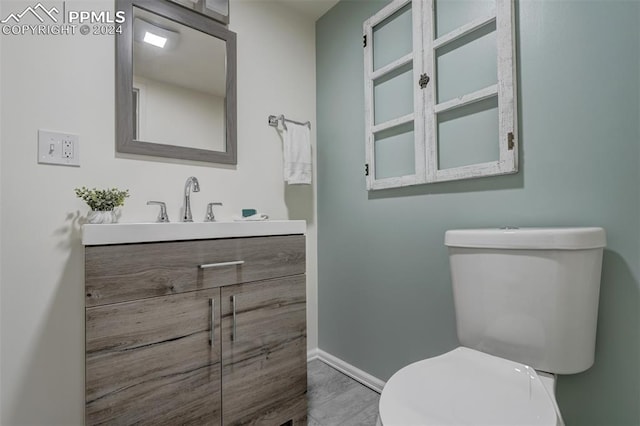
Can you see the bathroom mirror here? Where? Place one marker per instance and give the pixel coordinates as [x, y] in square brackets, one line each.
[175, 84]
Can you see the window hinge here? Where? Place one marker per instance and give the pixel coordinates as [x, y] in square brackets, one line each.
[364, 40]
[510, 142]
[424, 80]
[366, 170]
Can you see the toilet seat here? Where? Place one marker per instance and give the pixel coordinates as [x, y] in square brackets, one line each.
[466, 387]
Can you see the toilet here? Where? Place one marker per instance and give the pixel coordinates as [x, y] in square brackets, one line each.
[526, 303]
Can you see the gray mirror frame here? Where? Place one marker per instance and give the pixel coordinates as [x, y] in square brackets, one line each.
[124, 84]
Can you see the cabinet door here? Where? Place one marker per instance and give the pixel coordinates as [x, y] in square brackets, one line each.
[394, 109]
[440, 91]
[154, 362]
[264, 352]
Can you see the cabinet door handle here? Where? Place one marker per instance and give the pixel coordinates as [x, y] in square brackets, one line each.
[233, 304]
[221, 264]
[212, 321]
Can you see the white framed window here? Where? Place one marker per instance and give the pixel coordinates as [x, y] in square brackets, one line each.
[440, 92]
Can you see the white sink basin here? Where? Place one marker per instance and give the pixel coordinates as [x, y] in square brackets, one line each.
[122, 233]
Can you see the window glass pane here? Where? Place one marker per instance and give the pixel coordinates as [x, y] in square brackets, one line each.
[468, 135]
[393, 38]
[395, 152]
[467, 64]
[393, 95]
[452, 14]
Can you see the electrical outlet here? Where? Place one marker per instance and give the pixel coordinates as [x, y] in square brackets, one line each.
[67, 148]
[58, 148]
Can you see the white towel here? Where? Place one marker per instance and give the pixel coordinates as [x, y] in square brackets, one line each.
[297, 154]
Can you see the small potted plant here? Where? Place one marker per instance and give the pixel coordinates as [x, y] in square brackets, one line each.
[102, 203]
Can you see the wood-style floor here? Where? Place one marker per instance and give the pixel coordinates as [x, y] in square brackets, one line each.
[337, 400]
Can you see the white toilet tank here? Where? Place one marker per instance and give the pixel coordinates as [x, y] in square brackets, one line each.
[529, 295]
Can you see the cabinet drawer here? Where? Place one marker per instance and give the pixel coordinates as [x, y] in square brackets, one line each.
[118, 273]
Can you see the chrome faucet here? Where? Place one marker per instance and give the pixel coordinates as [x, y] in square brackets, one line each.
[210, 217]
[192, 182]
[163, 217]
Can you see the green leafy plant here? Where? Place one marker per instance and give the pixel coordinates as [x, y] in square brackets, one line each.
[102, 199]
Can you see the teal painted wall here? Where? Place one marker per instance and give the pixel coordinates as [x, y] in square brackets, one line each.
[384, 291]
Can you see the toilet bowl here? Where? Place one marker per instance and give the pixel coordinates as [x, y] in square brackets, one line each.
[526, 304]
[468, 387]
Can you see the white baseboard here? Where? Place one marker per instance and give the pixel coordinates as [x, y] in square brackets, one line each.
[312, 354]
[344, 367]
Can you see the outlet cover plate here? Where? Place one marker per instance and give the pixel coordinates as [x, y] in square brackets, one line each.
[58, 148]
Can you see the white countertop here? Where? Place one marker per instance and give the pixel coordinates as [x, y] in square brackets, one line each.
[124, 233]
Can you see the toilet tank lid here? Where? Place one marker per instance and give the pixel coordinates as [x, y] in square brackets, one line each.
[527, 238]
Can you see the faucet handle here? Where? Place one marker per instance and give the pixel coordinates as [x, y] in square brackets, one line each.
[163, 217]
[210, 217]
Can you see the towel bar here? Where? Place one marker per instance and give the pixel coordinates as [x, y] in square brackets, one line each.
[273, 121]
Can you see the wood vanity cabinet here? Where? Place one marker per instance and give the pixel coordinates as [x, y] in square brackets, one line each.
[201, 332]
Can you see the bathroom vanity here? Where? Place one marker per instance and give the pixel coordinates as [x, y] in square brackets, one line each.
[201, 324]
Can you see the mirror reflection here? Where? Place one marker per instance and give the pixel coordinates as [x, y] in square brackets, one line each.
[179, 84]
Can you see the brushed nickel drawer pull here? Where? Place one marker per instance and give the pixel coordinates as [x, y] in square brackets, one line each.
[212, 322]
[233, 303]
[221, 264]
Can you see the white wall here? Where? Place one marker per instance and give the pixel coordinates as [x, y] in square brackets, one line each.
[176, 115]
[1, 138]
[65, 83]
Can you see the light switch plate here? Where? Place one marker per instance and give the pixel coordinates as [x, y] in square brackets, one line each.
[58, 148]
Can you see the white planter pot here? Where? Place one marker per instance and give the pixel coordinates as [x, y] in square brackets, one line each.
[97, 217]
